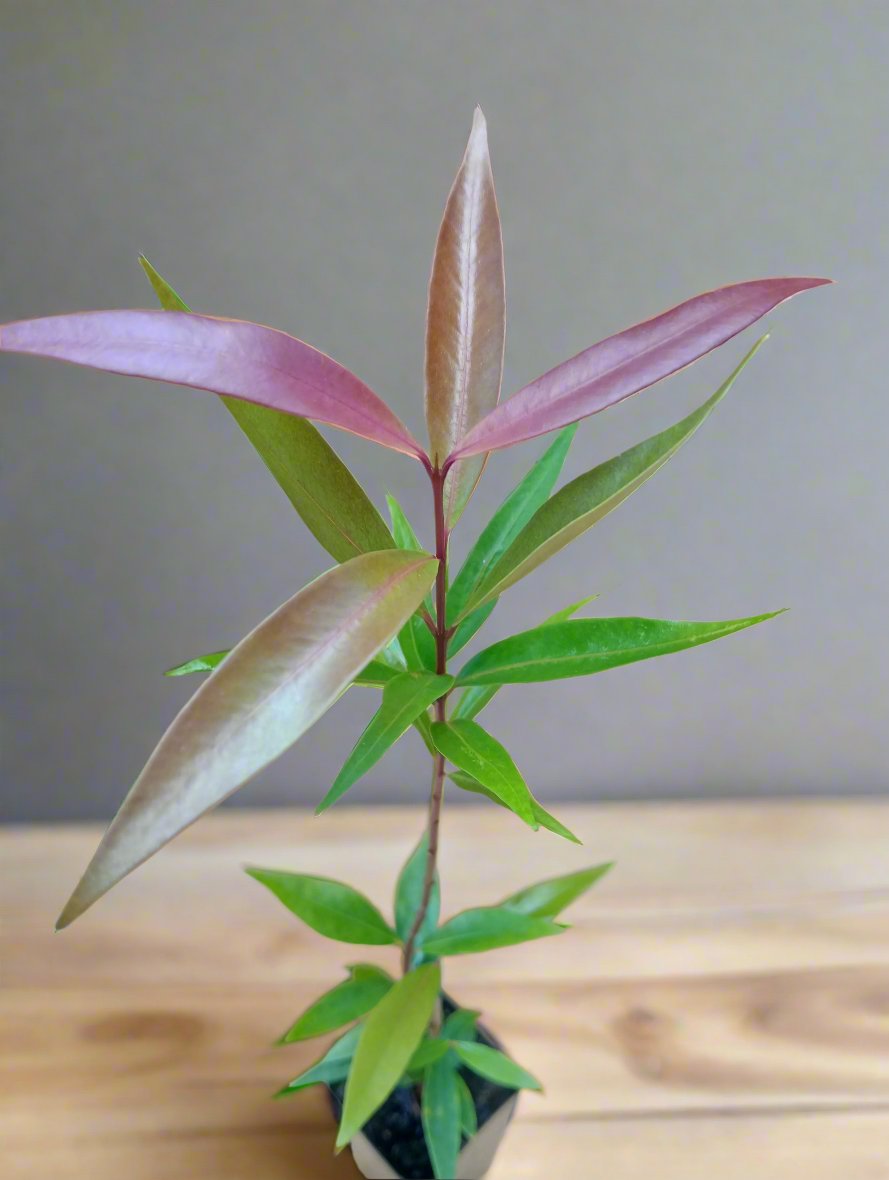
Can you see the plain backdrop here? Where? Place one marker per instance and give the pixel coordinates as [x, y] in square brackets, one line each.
[288, 163]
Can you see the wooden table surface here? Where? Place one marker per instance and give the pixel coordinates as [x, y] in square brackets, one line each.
[720, 1010]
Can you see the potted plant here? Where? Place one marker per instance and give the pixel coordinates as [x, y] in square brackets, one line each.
[419, 1087]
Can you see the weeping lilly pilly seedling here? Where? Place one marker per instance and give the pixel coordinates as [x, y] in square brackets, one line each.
[387, 616]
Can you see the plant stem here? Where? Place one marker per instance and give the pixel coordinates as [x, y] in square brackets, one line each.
[436, 795]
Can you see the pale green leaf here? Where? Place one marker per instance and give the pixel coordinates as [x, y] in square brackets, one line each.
[441, 1116]
[348, 1001]
[487, 928]
[388, 1040]
[548, 898]
[331, 1068]
[404, 699]
[496, 1066]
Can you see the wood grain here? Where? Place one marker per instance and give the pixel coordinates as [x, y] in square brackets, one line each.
[721, 1007]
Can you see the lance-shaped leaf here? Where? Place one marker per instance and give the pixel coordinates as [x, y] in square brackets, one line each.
[586, 500]
[632, 360]
[472, 749]
[258, 702]
[496, 1066]
[415, 638]
[404, 699]
[315, 480]
[441, 1116]
[507, 522]
[581, 647]
[331, 1068]
[541, 816]
[468, 1113]
[231, 357]
[390, 1035]
[465, 322]
[460, 1025]
[473, 700]
[487, 928]
[409, 895]
[348, 1001]
[332, 908]
[548, 898]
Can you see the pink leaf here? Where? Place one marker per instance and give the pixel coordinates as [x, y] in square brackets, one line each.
[231, 357]
[623, 364]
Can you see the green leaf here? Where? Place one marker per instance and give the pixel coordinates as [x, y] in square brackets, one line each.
[468, 1114]
[485, 929]
[423, 726]
[584, 501]
[416, 639]
[508, 521]
[330, 1069]
[404, 699]
[496, 1067]
[473, 700]
[467, 783]
[375, 674]
[460, 1025]
[427, 1053]
[581, 647]
[548, 898]
[260, 700]
[472, 749]
[389, 1039]
[315, 480]
[409, 894]
[333, 909]
[348, 1001]
[199, 664]
[441, 1116]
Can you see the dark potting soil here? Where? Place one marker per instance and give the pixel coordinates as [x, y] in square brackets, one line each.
[396, 1130]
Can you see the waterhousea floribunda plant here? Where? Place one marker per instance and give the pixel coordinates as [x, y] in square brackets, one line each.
[393, 617]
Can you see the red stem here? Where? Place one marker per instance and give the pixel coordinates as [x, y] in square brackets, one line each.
[436, 795]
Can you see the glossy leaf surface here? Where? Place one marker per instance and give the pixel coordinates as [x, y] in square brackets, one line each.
[409, 894]
[496, 1066]
[586, 500]
[441, 1116]
[485, 929]
[473, 700]
[626, 363]
[581, 647]
[532, 491]
[331, 1068]
[315, 480]
[348, 1001]
[548, 898]
[388, 1040]
[332, 908]
[272, 687]
[472, 749]
[465, 321]
[542, 817]
[404, 698]
[231, 357]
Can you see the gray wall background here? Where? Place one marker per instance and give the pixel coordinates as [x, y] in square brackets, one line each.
[288, 163]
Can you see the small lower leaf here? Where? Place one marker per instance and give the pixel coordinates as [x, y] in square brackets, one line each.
[333, 909]
[487, 928]
[468, 1113]
[330, 1069]
[441, 1116]
[495, 1066]
[409, 895]
[548, 898]
[348, 1001]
